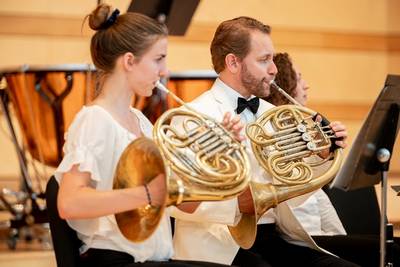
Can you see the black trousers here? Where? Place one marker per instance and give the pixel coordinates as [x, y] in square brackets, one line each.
[271, 250]
[362, 249]
[112, 258]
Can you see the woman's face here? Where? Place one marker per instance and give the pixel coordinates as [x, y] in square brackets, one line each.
[301, 88]
[149, 68]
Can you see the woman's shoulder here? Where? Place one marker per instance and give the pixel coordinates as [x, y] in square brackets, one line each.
[92, 113]
[92, 119]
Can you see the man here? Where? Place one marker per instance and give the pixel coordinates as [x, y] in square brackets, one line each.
[242, 54]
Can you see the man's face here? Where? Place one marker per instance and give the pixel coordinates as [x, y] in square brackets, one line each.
[258, 68]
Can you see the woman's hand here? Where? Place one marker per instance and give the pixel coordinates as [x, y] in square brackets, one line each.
[340, 132]
[233, 125]
[158, 190]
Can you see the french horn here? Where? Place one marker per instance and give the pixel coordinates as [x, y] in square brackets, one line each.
[286, 140]
[201, 160]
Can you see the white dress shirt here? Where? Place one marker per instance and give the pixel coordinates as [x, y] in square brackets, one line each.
[95, 141]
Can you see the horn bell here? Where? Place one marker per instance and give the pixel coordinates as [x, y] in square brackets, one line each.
[140, 162]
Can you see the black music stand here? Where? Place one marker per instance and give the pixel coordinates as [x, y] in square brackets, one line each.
[176, 14]
[396, 188]
[369, 158]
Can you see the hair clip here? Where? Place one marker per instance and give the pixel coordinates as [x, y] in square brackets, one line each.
[110, 21]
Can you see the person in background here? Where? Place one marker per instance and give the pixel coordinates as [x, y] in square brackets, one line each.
[129, 51]
[317, 215]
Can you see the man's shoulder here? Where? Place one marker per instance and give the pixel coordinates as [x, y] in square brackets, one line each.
[264, 105]
[207, 96]
[204, 96]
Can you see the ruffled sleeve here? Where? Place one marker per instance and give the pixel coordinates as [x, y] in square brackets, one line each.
[87, 143]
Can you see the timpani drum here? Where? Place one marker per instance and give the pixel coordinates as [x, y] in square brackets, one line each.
[45, 100]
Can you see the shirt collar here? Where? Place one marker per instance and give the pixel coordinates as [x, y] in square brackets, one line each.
[231, 94]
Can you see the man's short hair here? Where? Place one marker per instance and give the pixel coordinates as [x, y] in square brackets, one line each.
[233, 36]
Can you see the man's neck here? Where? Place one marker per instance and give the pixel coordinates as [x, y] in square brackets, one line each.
[234, 83]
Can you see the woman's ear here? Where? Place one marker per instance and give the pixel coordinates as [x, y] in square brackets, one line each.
[128, 60]
[232, 63]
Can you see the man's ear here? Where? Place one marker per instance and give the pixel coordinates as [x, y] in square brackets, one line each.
[232, 63]
[128, 60]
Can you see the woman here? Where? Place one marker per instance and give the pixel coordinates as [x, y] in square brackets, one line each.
[317, 214]
[317, 223]
[129, 51]
[289, 79]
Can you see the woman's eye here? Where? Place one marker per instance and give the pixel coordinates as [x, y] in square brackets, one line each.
[160, 58]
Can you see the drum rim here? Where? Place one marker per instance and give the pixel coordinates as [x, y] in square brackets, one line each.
[192, 75]
[82, 67]
[26, 68]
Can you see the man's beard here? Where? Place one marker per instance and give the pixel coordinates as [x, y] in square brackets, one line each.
[252, 84]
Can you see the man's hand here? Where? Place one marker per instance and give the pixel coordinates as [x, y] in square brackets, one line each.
[233, 125]
[245, 200]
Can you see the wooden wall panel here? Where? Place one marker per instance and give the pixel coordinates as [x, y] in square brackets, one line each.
[344, 48]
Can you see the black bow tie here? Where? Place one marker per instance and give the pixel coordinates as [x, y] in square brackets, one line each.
[252, 104]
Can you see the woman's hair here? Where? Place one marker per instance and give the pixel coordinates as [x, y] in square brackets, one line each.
[286, 78]
[118, 34]
[233, 36]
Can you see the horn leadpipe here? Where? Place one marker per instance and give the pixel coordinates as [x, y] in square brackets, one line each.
[325, 121]
[280, 90]
[162, 87]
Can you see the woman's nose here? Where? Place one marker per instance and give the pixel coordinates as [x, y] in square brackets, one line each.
[164, 71]
[306, 86]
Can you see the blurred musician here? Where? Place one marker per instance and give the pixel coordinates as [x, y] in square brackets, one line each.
[317, 214]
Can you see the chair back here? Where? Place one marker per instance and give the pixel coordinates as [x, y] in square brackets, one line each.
[65, 240]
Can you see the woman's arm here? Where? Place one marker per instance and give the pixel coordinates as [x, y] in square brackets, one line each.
[77, 200]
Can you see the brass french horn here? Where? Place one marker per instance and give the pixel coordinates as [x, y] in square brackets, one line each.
[200, 158]
[286, 141]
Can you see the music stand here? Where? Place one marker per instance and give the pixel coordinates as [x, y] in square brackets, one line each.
[176, 14]
[396, 188]
[369, 158]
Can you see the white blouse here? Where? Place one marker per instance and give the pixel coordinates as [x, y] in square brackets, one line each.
[95, 141]
[318, 216]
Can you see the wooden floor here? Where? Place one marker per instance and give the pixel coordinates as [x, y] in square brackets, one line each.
[26, 255]
[34, 255]
[27, 259]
